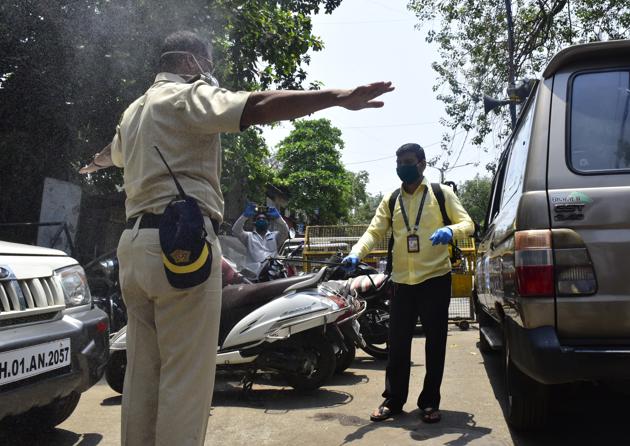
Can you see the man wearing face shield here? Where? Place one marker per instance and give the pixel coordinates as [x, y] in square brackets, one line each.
[172, 333]
[421, 270]
[261, 243]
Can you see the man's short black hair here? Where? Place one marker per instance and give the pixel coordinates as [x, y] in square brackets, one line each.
[186, 41]
[411, 148]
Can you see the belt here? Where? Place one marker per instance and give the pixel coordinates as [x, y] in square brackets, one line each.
[152, 221]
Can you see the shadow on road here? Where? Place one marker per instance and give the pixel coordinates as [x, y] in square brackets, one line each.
[55, 437]
[453, 422]
[580, 414]
[112, 401]
[282, 398]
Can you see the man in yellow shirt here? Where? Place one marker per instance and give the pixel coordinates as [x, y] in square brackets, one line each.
[421, 271]
[172, 332]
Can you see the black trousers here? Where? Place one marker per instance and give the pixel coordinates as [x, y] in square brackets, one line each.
[429, 300]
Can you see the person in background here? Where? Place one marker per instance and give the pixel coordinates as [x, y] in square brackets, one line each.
[263, 242]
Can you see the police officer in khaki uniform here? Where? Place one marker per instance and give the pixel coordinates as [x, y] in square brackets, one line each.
[172, 333]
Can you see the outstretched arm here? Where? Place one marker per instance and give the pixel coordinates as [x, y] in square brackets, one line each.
[265, 107]
[100, 161]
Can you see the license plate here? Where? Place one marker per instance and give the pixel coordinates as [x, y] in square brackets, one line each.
[23, 363]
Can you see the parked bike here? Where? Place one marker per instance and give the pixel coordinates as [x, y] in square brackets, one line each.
[298, 327]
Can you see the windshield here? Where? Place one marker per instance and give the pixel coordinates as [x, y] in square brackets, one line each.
[600, 127]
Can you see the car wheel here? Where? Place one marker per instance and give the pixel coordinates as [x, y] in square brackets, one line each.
[527, 400]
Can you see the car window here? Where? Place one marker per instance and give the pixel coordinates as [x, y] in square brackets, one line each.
[517, 159]
[600, 122]
[497, 191]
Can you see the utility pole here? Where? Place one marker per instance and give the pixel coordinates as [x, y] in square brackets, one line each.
[511, 70]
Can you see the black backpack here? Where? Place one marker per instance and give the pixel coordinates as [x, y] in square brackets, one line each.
[439, 195]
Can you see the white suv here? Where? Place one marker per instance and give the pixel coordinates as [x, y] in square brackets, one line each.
[53, 341]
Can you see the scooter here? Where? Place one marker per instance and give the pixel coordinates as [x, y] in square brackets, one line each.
[297, 327]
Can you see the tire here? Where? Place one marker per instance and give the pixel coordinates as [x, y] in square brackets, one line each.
[527, 401]
[345, 358]
[374, 323]
[115, 372]
[44, 418]
[319, 353]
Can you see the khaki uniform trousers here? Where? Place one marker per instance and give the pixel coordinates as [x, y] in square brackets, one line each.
[172, 338]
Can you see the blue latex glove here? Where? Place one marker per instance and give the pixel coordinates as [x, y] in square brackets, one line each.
[442, 236]
[250, 210]
[350, 262]
[273, 213]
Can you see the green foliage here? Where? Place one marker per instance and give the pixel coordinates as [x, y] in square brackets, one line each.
[474, 195]
[363, 204]
[471, 37]
[69, 69]
[310, 159]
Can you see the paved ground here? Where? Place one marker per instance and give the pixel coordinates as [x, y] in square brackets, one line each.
[338, 414]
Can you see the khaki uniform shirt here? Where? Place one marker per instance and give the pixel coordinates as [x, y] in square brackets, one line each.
[431, 261]
[184, 121]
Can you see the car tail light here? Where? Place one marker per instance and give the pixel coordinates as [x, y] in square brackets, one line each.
[534, 263]
[575, 275]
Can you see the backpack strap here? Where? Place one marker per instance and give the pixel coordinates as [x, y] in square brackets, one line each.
[390, 246]
[439, 195]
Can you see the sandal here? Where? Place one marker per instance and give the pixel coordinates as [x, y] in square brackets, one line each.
[383, 413]
[430, 415]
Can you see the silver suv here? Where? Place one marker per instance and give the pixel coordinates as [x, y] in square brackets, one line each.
[552, 282]
[53, 342]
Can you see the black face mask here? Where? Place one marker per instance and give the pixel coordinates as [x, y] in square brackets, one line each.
[408, 174]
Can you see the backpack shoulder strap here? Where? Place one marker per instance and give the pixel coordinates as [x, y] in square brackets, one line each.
[392, 202]
[439, 195]
[390, 246]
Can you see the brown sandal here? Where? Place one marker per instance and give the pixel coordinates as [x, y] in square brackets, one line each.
[383, 413]
[431, 415]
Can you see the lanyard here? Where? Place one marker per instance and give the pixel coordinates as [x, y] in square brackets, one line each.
[404, 213]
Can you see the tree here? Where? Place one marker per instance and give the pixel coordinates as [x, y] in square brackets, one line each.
[69, 69]
[471, 37]
[310, 159]
[474, 195]
[246, 170]
[363, 204]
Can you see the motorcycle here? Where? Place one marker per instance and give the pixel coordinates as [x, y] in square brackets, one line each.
[297, 327]
[376, 289]
[102, 276]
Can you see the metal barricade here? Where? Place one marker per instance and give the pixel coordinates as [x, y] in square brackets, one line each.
[461, 311]
[322, 242]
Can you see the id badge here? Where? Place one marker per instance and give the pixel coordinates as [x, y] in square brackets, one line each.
[413, 243]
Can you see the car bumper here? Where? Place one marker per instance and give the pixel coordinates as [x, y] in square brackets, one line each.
[539, 353]
[89, 354]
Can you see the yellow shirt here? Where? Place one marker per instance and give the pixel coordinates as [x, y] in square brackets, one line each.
[184, 121]
[431, 261]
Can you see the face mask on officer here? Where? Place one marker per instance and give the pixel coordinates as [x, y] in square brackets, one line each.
[204, 75]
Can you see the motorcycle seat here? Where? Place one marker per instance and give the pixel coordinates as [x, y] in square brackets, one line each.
[239, 300]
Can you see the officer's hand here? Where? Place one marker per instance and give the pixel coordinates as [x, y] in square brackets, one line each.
[350, 262]
[442, 236]
[273, 213]
[250, 210]
[362, 97]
